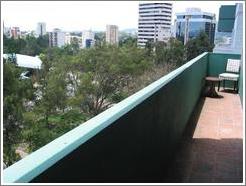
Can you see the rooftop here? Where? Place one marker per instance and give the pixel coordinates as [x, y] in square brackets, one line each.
[26, 61]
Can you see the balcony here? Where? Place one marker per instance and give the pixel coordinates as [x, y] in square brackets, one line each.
[166, 132]
[211, 149]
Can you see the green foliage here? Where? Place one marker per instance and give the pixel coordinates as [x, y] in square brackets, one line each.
[11, 45]
[197, 46]
[29, 46]
[171, 52]
[106, 70]
[15, 92]
[53, 86]
[73, 48]
[100, 38]
[127, 40]
[160, 52]
[36, 132]
[149, 48]
[118, 96]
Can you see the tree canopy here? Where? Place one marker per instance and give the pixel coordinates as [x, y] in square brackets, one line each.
[197, 46]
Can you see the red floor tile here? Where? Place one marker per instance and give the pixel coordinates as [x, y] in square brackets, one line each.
[215, 150]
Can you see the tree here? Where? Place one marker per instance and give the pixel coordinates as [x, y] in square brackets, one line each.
[103, 72]
[28, 46]
[15, 92]
[149, 48]
[11, 45]
[53, 86]
[197, 46]
[127, 39]
[160, 52]
[32, 48]
[171, 52]
[100, 38]
[175, 52]
[73, 48]
[43, 42]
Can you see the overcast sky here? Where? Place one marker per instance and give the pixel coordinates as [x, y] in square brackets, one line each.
[83, 15]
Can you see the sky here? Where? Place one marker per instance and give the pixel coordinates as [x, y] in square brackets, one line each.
[85, 15]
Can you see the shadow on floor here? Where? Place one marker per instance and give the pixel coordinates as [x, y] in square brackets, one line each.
[208, 161]
[205, 160]
[230, 91]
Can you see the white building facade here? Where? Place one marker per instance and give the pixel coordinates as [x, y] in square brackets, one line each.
[237, 33]
[112, 34]
[41, 29]
[69, 39]
[154, 22]
[7, 31]
[56, 38]
[88, 39]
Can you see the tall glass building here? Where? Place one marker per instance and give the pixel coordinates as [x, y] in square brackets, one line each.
[189, 24]
[229, 35]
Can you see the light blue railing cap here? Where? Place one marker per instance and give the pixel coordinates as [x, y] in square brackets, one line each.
[37, 162]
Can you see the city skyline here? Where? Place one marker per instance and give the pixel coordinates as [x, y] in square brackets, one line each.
[77, 16]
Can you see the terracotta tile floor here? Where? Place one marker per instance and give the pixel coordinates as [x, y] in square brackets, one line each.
[212, 147]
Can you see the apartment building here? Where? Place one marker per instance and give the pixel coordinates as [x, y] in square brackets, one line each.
[56, 38]
[41, 29]
[154, 23]
[69, 39]
[229, 35]
[7, 31]
[88, 39]
[15, 32]
[112, 34]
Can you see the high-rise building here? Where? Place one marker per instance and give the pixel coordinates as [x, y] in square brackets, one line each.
[67, 40]
[189, 24]
[226, 18]
[229, 35]
[56, 38]
[6, 31]
[154, 22]
[15, 32]
[112, 34]
[41, 29]
[223, 34]
[88, 39]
